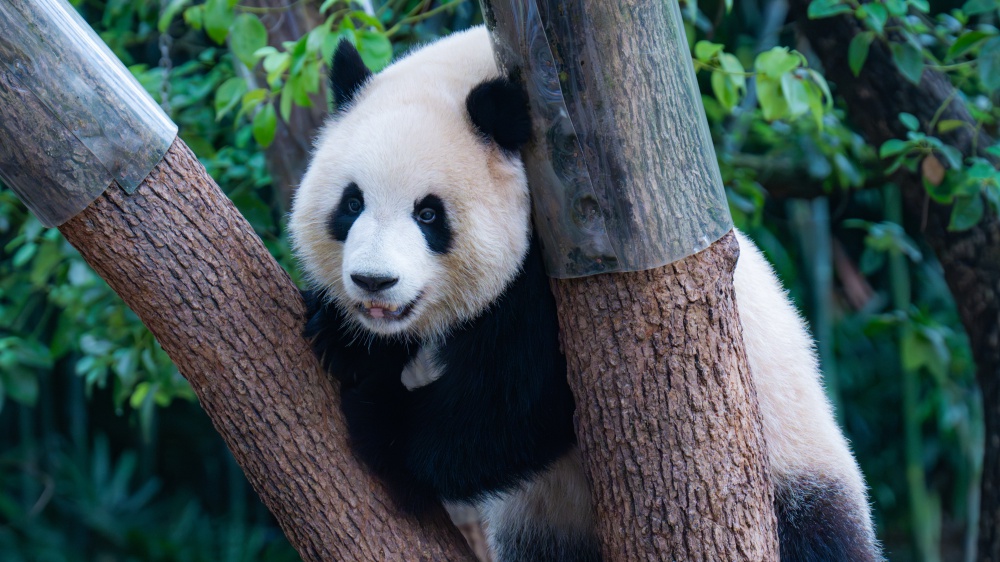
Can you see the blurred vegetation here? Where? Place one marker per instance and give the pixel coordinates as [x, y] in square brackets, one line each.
[105, 456]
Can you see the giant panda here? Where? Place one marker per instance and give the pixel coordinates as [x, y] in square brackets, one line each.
[430, 303]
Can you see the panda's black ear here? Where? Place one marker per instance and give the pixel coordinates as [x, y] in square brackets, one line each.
[347, 73]
[499, 111]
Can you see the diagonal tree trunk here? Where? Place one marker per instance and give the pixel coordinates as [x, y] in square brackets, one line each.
[181, 256]
[971, 258]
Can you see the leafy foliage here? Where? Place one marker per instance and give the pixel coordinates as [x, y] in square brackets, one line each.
[891, 339]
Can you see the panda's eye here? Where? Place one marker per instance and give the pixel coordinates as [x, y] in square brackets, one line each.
[426, 216]
[354, 205]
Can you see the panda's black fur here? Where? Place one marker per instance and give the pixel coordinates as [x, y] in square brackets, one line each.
[488, 422]
[498, 415]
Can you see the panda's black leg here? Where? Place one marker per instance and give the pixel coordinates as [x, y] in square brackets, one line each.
[377, 413]
[822, 521]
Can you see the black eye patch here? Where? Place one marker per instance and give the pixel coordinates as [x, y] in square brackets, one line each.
[430, 216]
[352, 204]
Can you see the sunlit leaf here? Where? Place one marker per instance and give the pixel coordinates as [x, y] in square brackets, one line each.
[248, 35]
[217, 18]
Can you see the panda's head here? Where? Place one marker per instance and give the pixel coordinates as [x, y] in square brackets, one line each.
[414, 213]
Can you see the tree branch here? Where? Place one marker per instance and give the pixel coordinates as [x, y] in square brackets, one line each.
[181, 256]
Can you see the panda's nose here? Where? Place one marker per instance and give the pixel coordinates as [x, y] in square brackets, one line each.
[373, 283]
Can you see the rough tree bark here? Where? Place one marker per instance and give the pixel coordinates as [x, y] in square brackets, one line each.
[666, 412]
[667, 416]
[182, 257]
[971, 258]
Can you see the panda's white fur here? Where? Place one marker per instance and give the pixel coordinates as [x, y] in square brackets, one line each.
[406, 133]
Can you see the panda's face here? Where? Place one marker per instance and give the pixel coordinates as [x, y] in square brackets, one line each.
[414, 214]
[410, 220]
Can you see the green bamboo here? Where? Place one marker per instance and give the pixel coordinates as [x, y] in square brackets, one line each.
[925, 510]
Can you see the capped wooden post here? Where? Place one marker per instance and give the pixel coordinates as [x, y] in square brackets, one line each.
[81, 143]
[625, 181]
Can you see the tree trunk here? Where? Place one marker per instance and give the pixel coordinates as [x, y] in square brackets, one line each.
[971, 258]
[666, 411]
[289, 153]
[667, 416]
[190, 266]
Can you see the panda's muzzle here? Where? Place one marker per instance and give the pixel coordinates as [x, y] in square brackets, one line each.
[386, 311]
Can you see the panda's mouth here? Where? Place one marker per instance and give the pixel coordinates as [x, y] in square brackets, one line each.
[386, 311]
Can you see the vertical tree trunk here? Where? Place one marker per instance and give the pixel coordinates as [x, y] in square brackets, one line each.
[667, 415]
[190, 266]
[970, 258]
[289, 153]
[666, 412]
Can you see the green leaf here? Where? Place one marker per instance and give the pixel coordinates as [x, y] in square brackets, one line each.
[949, 125]
[925, 348]
[989, 64]
[287, 95]
[21, 385]
[976, 7]
[168, 14]
[375, 49]
[194, 16]
[248, 35]
[24, 254]
[826, 8]
[772, 103]
[892, 147]
[724, 90]
[218, 17]
[328, 3]
[706, 50]
[966, 42]
[367, 20]
[794, 92]
[909, 60]
[952, 155]
[316, 37]
[264, 125]
[857, 51]
[920, 5]
[909, 121]
[816, 105]
[275, 65]
[966, 212]
[777, 61]
[897, 8]
[875, 15]
[820, 82]
[228, 95]
[139, 395]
